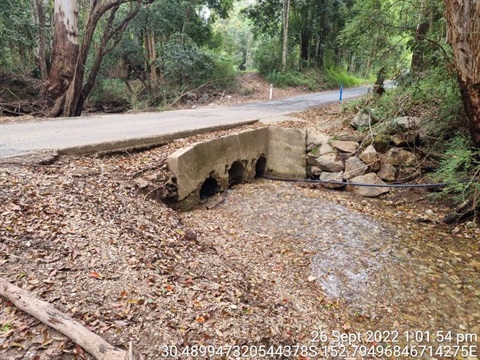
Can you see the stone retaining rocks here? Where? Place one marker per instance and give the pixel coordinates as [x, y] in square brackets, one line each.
[346, 158]
[329, 176]
[371, 157]
[345, 146]
[387, 172]
[329, 163]
[396, 156]
[370, 178]
[362, 119]
[354, 167]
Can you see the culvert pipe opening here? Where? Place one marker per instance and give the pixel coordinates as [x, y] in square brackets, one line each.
[261, 167]
[236, 174]
[209, 188]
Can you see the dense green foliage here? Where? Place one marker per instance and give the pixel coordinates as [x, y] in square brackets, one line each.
[17, 36]
[460, 167]
[197, 41]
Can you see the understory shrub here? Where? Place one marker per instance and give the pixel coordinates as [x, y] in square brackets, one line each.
[290, 78]
[183, 62]
[432, 95]
[334, 77]
[460, 167]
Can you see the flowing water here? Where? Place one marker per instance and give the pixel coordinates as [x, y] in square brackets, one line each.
[372, 257]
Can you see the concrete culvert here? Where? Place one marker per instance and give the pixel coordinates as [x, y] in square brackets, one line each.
[236, 174]
[261, 166]
[209, 188]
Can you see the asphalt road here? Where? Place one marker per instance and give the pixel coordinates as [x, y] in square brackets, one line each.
[99, 133]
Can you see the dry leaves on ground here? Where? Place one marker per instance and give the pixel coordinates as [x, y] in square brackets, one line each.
[82, 235]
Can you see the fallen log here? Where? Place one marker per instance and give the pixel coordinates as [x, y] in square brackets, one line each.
[50, 316]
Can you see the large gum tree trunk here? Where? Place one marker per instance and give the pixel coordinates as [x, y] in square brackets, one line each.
[286, 14]
[463, 19]
[66, 91]
[64, 55]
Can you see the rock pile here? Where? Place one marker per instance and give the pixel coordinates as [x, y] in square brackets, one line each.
[376, 159]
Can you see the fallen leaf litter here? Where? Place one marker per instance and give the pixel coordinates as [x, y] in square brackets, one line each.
[269, 265]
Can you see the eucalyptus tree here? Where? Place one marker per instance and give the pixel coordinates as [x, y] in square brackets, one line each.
[463, 19]
[312, 31]
[68, 85]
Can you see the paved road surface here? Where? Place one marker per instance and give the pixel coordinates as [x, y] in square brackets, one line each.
[112, 132]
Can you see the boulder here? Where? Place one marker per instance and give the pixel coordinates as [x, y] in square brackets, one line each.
[371, 157]
[381, 142]
[406, 123]
[404, 139]
[370, 191]
[351, 137]
[316, 138]
[398, 125]
[397, 156]
[329, 163]
[387, 172]
[325, 148]
[316, 171]
[345, 146]
[361, 119]
[332, 176]
[317, 150]
[312, 159]
[354, 167]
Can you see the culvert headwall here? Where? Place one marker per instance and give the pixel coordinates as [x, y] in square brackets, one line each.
[238, 158]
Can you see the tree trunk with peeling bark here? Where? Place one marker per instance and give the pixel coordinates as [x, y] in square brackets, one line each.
[463, 20]
[64, 55]
[66, 92]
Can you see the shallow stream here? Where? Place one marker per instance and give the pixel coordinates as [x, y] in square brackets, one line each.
[373, 257]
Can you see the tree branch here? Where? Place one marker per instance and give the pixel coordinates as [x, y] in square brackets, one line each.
[50, 316]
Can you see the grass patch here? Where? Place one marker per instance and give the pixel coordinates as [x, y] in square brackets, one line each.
[334, 77]
[314, 80]
[292, 79]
